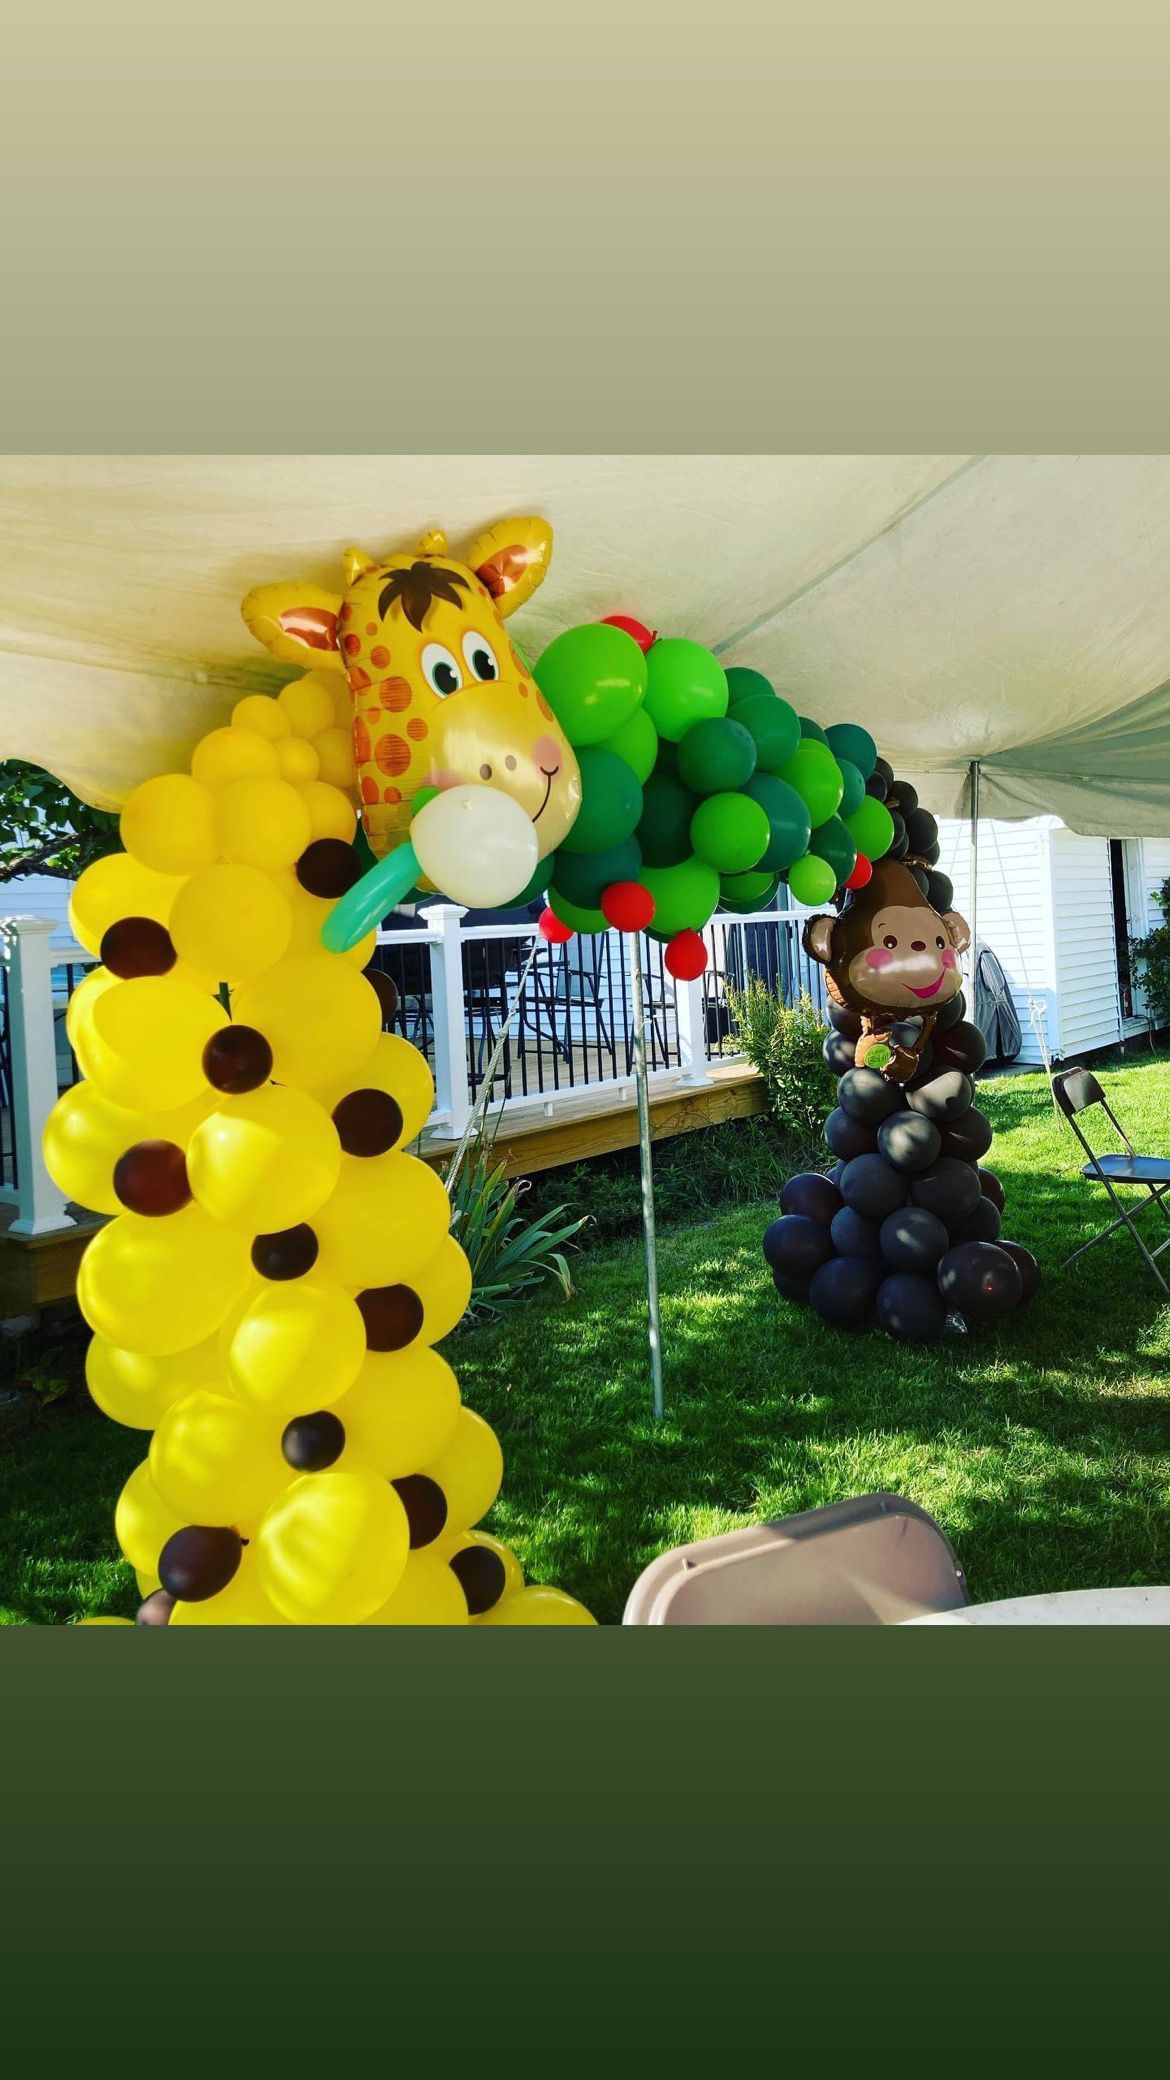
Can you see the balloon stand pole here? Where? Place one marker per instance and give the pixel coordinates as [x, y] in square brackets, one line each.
[653, 1322]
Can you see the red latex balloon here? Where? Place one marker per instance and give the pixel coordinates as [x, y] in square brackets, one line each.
[862, 872]
[686, 956]
[642, 635]
[551, 928]
[627, 906]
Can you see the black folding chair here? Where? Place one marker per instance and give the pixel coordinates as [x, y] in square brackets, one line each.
[1075, 1091]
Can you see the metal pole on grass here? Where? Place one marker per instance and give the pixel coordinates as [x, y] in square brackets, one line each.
[974, 885]
[653, 1322]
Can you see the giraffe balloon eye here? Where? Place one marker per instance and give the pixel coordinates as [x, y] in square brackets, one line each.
[481, 658]
[440, 670]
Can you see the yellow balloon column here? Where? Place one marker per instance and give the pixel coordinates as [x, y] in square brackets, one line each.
[267, 1299]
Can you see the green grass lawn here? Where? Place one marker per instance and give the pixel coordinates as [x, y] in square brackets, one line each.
[1042, 1446]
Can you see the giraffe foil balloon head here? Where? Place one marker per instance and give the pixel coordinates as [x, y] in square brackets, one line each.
[440, 698]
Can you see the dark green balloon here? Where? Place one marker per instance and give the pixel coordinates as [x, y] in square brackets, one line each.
[584, 876]
[849, 740]
[831, 842]
[811, 729]
[575, 916]
[716, 756]
[611, 802]
[746, 685]
[774, 728]
[540, 883]
[751, 891]
[664, 832]
[788, 819]
[854, 794]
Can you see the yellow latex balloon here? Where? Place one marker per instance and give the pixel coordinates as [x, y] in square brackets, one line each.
[231, 754]
[444, 1287]
[230, 921]
[253, 1286]
[143, 1523]
[334, 749]
[114, 887]
[308, 705]
[262, 823]
[81, 1003]
[243, 1602]
[469, 1470]
[258, 711]
[159, 1286]
[298, 761]
[333, 1548]
[400, 1412]
[308, 916]
[264, 1161]
[385, 1221]
[103, 1621]
[147, 1583]
[141, 1043]
[84, 1137]
[331, 812]
[169, 824]
[319, 1016]
[537, 1605]
[298, 1348]
[397, 1067]
[428, 1594]
[136, 1390]
[216, 1461]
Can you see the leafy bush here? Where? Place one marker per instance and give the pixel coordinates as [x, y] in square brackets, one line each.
[1150, 959]
[784, 1042]
[44, 829]
[739, 1162]
[508, 1255]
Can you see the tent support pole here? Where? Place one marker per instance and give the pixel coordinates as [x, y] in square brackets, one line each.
[652, 1317]
[974, 881]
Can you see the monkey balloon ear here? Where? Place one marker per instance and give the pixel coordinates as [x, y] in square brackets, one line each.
[818, 939]
[959, 929]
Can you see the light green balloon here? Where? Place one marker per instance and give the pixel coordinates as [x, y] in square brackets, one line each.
[685, 684]
[812, 880]
[731, 832]
[871, 827]
[685, 897]
[814, 773]
[593, 678]
[637, 742]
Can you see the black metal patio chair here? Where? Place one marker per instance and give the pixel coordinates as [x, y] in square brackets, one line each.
[1076, 1090]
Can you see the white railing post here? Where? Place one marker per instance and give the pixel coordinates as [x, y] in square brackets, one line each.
[33, 1056]
[452, 1088]
[690, 1017]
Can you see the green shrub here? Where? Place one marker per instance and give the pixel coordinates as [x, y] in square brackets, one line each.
[739, 1162]
[1150, 958]
[784, 1042]
[508, 1255]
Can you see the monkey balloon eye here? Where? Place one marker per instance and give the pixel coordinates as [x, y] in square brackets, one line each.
[481, 658]
[440, 669]
[940, 942]
[890, 942]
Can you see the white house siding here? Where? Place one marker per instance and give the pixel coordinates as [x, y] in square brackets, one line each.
[40, 895]
[1013, 916]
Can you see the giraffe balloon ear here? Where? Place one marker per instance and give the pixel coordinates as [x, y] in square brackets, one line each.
[297, 623]
[354, 565]
[433, 544]
[511, 559]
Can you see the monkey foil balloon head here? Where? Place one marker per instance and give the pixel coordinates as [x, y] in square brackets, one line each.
[892, 959]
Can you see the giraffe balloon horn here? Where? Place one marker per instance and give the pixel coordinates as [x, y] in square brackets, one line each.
[466, 779]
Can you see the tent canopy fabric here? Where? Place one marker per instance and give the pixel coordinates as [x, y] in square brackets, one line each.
[1009, 609]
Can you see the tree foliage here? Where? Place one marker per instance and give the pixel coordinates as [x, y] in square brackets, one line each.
[1150, 958]
[44, 829]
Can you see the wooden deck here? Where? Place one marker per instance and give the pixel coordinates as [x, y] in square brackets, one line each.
[37, 1270]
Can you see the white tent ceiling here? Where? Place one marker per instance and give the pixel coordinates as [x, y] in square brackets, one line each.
[1011, 609]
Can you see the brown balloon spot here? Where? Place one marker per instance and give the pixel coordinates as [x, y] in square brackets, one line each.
[393, 1316]
[517, 666]
[396, 695]
[371, 628]
[286, 1253]
[379, 656]
[352, 645]
[199, 1561]
[369, 1122]
[361, 741]
[523, 692]
[481, 1575]
[151, 1178]
[237, 1059]
[137, 946]
[425, 1505]
[386, 991]
[328, 867]
[392, 756]
[311, 1443]
[346, 613]
[391, 794]
[543, 705]
[416, 728]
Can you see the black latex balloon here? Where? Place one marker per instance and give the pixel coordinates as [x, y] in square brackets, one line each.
[961, 1046]
[913, 1239]
[868, 1097]
[970, 1137]
[839, 1051]
[949, 1188]
[199, 1561]
[288, 1253]
[921, 828]
[905, 797]
[845, 1021]
[980, 1280]
[843, 1291]
[883, 766]
[1025, 1264]
[922, 878]
[796, 1246]
[991, 1188]
[899, 843]
[481, 1575]
[812, 1195]
[930, 853]
[981, 1225]
[836, 1174]
[951, 1014]
[944, 1098]
[876, 786]
[854, 1236]
[425, 1505]
[910, 1307]
[790, 1288]
[846, 1136]
[872, 1187]
[313, 1442]
[940, 891]
[909, 1141]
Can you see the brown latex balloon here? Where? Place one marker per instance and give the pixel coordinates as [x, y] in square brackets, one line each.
[237, 1059]
[425, 1505]
[328, 868]
[137, 946]
[991, 1188]
[311, 1443]
[369, 1122]
[288, 1253]
[199, 1561]
[393, 1316]
[386, 992]
[481, 1575]
[151, 1178]
[156, 1610]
